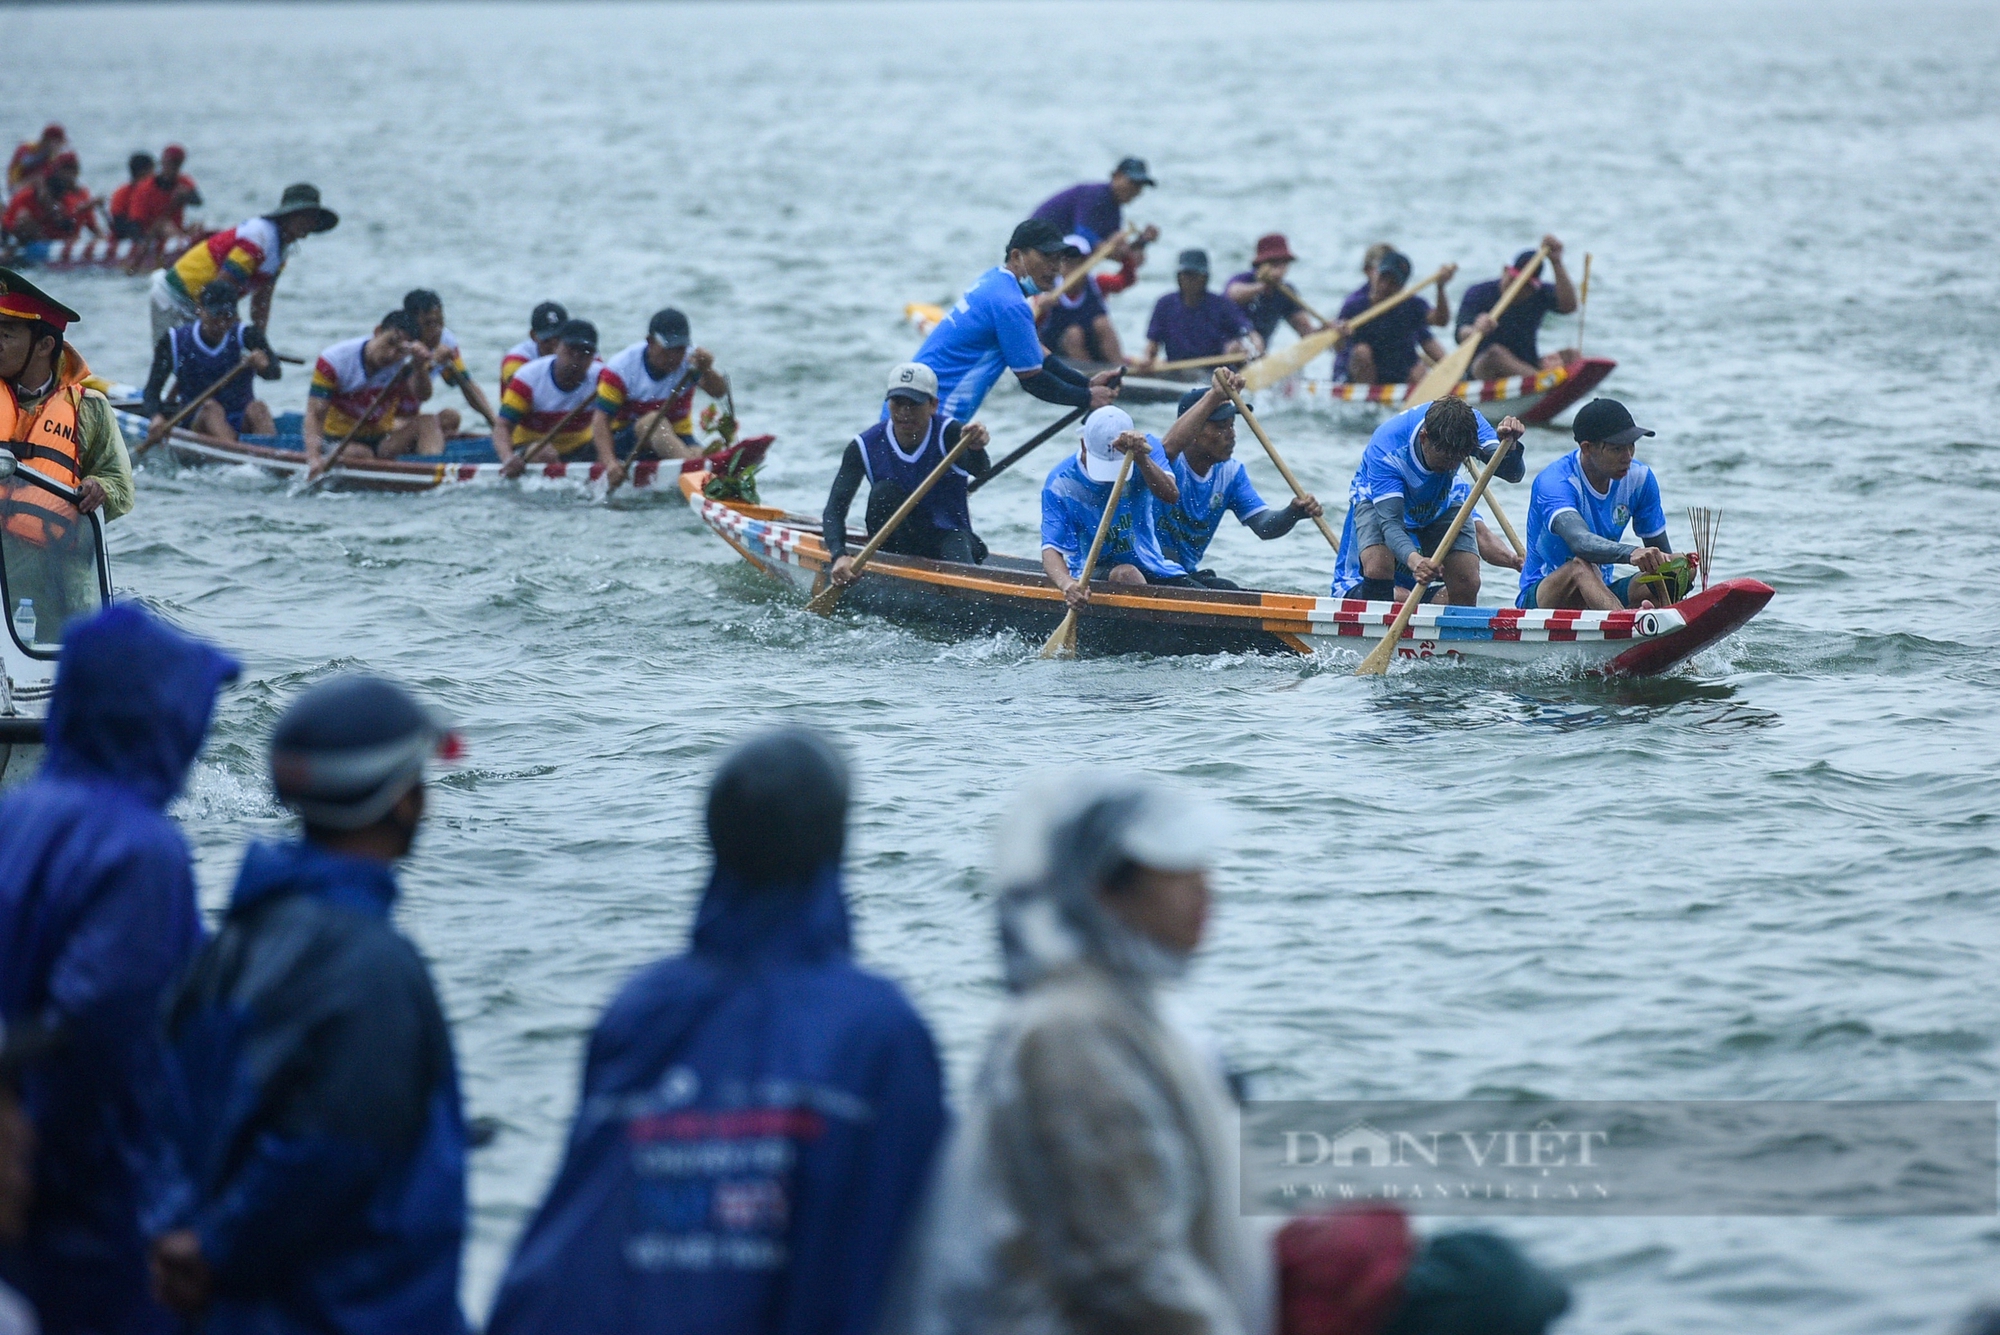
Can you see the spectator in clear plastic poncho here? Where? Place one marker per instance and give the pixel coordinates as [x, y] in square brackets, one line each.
[1092, 1185]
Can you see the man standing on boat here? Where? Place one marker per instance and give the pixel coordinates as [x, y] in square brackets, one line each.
[992, 328]
[895, 456]
[197, 355]
[447, 359]
[1201, 448]
[654, 376]
[547, 402]
[1095, 210]
[1073, 500]
[1386, 350]
[49, 419]
[543, 326]
[357, 387]
[1403, 498]
[249, 255]
[1263, 293]
[1578, 512]
[1195, 322]
[1510, 347]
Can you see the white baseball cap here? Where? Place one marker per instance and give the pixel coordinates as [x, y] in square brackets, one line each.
[1079, 243]
[913, 380]
[1100, 461]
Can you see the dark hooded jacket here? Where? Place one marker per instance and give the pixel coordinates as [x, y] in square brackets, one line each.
[97, 913]
[316, 1109]
[757, 1121]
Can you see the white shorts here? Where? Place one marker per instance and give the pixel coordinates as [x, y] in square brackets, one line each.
[170, 309]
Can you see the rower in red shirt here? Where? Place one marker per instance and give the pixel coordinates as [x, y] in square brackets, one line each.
[52, 207]
[140, 166]
[34, 156]
[157, 204]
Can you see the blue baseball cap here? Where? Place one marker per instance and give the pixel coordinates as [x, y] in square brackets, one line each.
[1221, 414]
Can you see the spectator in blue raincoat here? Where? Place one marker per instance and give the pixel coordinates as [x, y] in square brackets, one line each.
[317, 1117]
[97, 914]
[758, 1116]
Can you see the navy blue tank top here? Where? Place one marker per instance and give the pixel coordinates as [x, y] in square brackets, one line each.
[197, 367]
[885, 462]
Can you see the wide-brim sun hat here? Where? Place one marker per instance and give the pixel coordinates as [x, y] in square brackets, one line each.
[303, 197]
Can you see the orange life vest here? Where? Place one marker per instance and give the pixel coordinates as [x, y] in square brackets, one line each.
[48, 440]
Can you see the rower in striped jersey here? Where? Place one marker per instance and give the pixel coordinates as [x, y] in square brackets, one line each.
[658, 375]
[549, 317]
[541, 403]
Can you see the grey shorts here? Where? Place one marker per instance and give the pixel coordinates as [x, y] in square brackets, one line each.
[1368, 533]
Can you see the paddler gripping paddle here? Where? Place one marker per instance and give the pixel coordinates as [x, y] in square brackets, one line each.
[1256, 427]
[1062, 643]
[971, 437]
[316, 473]
[1378, 660]
[1268, 370]
[165, 429]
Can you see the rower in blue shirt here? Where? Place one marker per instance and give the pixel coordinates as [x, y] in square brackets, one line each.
[1403, 498]
[1577, 514]
[1201, 447]
[1073, 501]
[195, 356]
[992, 328]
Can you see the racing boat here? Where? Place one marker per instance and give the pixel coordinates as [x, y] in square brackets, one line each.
[96, 252]
[467, 459]
[1536, 399]
[53, 571]
[1010, 594]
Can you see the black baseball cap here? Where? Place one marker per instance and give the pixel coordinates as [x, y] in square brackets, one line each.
[220, 297]
[547, 319]
[1395, 265]
[578, 334]
[669, 329]
[1134, 169]
[1223, 413]
[1037, 234]
[1608, 422]
[1522, 260]
[1193, 261]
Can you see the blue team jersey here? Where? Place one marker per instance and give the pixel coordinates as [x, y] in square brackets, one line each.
[1633, 499]
[1186, 528]
[1072, 504]
[990, 330]
[1390, 467]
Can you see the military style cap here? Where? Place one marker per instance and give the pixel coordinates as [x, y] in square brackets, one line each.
[22, 300]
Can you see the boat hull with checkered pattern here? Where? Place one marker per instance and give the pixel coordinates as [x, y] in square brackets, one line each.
[1536, 399]
[1011, 594]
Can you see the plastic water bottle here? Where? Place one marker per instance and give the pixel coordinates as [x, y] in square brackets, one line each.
[24, 621]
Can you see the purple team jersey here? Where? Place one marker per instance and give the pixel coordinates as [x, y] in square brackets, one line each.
[1200, 330]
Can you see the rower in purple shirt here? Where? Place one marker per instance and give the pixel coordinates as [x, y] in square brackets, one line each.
[1096, 209]
[1195, 322]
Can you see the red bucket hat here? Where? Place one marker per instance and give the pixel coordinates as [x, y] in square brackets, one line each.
[1273, 250]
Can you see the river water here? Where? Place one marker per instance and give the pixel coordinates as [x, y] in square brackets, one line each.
[1769, 875]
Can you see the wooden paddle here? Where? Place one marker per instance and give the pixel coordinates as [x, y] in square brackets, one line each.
[1193, 363]
[1378, 660]
[1326, 529]
[527, 452]
[1300, 302]
[1269, 369]
[193, 406]
[1062, 643]
[1025, 450]
[313, 478]
[1582, 304]
[1500, 516]
[823, 601]
[1444, 377]
[645, 442]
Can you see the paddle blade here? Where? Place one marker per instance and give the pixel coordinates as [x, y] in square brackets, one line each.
[1269, 369]
[825, 599]
[1377, 662]
[1444, 377]
[1062, 643]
